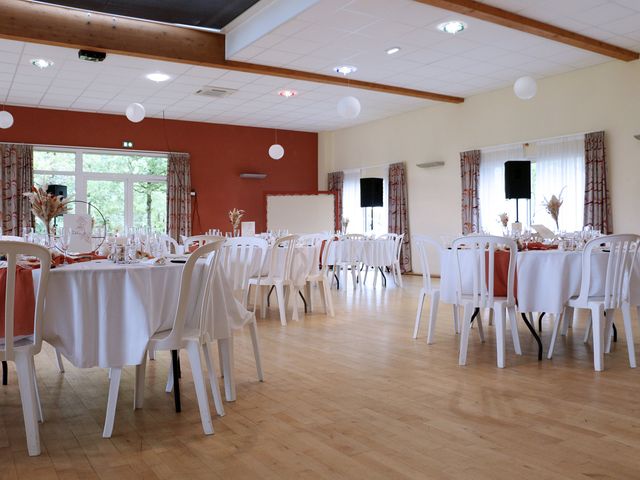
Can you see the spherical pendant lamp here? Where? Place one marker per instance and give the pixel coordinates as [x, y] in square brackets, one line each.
[349, 107]
[6, 119]
[276, 151]
[525, 88]
[135, 112]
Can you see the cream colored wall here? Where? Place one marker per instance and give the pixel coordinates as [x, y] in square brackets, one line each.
[605, 97]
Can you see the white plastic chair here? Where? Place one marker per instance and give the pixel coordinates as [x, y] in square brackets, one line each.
[422, 244]
[323, 246]
[191, 338]
[279, 276]
[169, 244]
[622, 250]
[22, 351]
[388, 236]
[239, 256]
[395, 267]
[480, 260]
[350, 263]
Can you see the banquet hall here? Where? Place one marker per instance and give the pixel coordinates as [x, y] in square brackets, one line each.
[319, 239]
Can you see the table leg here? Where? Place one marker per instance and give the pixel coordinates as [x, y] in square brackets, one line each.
[535, 335]
[304, 300]
[540, 321]
[5, 372]
[175, 365]
[225, 345]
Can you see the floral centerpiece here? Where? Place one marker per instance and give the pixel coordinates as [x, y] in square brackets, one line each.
[553, 207]
[235, 216]
[344, 223]
[46, 206]
[504, 220]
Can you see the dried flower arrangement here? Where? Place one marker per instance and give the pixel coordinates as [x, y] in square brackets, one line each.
[344, 223]
[553, 206]
[46, 206]
[504, 219]
[235, 216]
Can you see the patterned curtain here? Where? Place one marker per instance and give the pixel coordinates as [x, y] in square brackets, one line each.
[597, 203]
[16, 178]
[398, 211]
[179, 196]
[470, 172]
[335, 184]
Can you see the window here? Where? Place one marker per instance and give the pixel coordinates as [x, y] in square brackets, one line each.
[360, 218]
[129, 189]
[557, 166]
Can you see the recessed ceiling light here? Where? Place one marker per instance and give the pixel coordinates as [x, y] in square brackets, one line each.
[452, 27]
[158, 77]
[393, 50]
[41, 63]
[345, 69]
[287, 93]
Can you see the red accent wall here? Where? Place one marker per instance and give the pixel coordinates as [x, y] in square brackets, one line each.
[219, 154]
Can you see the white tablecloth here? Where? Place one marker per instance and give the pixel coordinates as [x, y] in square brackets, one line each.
[302, 265]
[378, 252]
[99, 314]
[547, 279]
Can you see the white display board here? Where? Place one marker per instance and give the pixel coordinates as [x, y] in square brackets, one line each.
[301, 213]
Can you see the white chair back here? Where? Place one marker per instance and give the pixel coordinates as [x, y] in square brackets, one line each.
[355, 236]
[311, 238]
[241, 261]
[388, 236]
[327, 252]
[481, 250]
[288, 243]
[205, 284]
[169, 244]
[423, 244]
[622, 250]
[399, 239]
[12, 250]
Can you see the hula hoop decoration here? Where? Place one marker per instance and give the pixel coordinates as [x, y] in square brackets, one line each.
[92, 207]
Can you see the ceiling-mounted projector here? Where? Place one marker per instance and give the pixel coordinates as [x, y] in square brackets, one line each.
[91, 56]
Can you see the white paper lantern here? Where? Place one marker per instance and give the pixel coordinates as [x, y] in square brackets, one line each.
[6, 119]
[525, 88]
[349, 107]
[276, 151]
[135, 112]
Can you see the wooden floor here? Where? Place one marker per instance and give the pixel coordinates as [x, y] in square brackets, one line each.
[348, 397]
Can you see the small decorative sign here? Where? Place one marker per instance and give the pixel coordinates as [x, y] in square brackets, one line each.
[80, 227]
[248, 229]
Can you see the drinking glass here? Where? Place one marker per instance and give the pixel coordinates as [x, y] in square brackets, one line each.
[64, 237]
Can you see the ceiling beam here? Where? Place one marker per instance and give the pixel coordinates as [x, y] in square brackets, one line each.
[482, 11]
[53, 25]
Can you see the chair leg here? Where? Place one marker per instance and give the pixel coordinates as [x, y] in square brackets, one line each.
[213, 379]
[59, 361]
[26, 385]
[193, 350]
[308, 292]
[558, 319]
[598, 321]
[138, 389]
[464, 336]
[327, 297]
[169, 387]
[628, 332]
[225, 345]
[263, 302]
[282, 305]
[152, 354]
[36, 391]
[480, 327]
[375, 276]
[114, 387]
[500, 328]
[490, 317]
[294, 294]
[433, 315]
[515, 336]
[416, 327]
[253, 329]
[587, 329]
[456, 319]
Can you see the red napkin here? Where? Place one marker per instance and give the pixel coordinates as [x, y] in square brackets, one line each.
[25, 302]
[501, 274]
[540, 246]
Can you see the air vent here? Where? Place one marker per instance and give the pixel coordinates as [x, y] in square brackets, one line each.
[217, 92]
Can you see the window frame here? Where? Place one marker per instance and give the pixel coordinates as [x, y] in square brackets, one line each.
[82, 177]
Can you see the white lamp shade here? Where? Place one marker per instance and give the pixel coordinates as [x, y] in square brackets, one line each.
[135, 112]
[6, 119]
[349, 107]
[525, 88]
[276, 151]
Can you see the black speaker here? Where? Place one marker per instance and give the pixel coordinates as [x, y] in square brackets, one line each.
[517, 179]
[57, 190]
[370, 192]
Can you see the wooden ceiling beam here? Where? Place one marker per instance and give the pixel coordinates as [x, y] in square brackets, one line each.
[53, 25]
[482, 11]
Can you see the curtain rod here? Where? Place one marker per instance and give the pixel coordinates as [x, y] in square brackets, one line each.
[369, 166]
[77, 147]
[534, 141]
